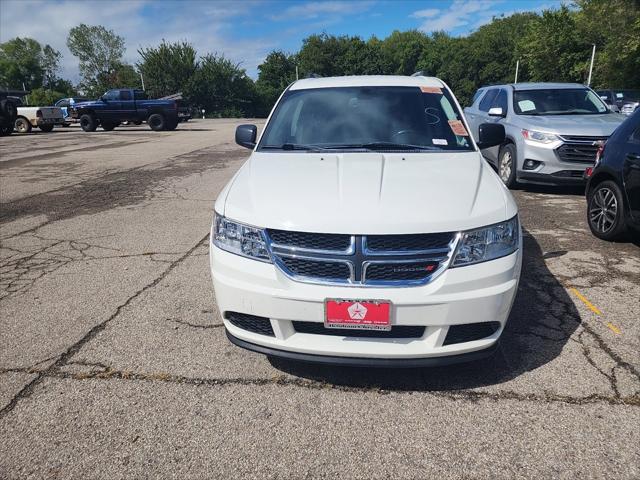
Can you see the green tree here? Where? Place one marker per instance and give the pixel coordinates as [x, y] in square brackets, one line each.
[26, 61]
[100, 54]
[168, 68]
[274, 74]
[401, 51]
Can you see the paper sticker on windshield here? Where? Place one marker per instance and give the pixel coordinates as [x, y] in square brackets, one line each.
[437, 90]
[526, 105]
[457, 127]
[440, 141]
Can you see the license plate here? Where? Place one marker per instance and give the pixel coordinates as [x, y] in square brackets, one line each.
[357, 314]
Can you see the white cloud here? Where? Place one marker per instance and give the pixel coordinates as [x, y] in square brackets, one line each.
[459, 14]
[313, 10]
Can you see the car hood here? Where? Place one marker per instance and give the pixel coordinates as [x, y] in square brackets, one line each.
[366, 193]
[587, 125]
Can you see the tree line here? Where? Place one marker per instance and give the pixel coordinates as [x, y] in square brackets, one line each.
[554, 45]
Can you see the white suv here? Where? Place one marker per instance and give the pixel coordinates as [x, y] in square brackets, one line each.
[366, 229]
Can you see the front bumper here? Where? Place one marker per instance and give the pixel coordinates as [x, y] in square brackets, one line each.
[551, 169]
[472, 294]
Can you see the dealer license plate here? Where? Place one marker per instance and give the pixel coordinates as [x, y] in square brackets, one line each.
[357, 314]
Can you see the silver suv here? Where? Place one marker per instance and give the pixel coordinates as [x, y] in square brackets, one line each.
[553, 130]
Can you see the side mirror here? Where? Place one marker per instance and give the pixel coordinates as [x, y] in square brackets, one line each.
[496, 112]
[490, 135]
[246, 135]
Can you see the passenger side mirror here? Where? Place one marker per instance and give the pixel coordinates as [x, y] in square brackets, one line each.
[497, 112]
[246, 135]
[490, 135]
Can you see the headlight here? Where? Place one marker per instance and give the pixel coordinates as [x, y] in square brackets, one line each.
[240, 239]
[487, 243]
[540, 137]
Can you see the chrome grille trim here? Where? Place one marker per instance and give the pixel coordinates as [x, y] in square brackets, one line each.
[358, 258]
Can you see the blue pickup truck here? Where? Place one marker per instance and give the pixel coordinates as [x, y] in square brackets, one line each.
[126, 105]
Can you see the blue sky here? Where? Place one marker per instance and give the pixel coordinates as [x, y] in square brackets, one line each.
[244, 31]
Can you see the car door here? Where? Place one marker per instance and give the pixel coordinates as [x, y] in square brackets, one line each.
[497, 100]
[471, 113]
[127, 105]
[631, 171]
[111, 110]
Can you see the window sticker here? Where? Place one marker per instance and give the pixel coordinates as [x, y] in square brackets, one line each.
[619, 95]
[526, 105]
[440, 141]
[457, 127]
[437, 90]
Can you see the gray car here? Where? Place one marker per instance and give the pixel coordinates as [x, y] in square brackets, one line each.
[553, 130]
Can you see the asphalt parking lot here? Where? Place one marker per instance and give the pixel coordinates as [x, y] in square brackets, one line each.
[114, 362]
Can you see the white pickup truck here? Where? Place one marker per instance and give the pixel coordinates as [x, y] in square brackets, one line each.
[45, 118]
[366, 229]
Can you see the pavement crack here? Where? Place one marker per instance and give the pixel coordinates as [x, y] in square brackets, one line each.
[64, 358]
[196, 325]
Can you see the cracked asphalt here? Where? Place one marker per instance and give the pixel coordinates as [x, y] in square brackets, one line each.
[114, 362]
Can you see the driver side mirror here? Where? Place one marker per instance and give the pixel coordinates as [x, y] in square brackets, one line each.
[497, 112]
[246, 136]
[490, 135]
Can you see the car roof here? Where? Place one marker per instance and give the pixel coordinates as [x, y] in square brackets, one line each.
[367, 81]
[538, 85]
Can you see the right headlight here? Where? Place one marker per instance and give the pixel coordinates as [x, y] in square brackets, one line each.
[487, 243]
[241, 239]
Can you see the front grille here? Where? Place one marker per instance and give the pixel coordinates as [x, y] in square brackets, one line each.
[569, 174]
[310, 241]
[417, 242]
[399, 271]
[468, 332]
[251, 323]
[316, 268]
[361, 260]
[399, 331]
[579, 149]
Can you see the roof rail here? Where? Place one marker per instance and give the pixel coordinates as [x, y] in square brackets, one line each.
[314, 75]
[419, 73]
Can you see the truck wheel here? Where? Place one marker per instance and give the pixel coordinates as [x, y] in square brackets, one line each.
[6, 131]
[156, 122]
[171, 125]
[22, 125]
[107, 127]
[46, 128]
[88, 122]
[507, 165]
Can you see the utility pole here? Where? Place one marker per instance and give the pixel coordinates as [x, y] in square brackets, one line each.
[296, 72]
[517, 67]
[142, 80]
[593, 56]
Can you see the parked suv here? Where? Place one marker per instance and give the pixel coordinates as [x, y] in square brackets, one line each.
[366, 229]
[613, 190]
[626, 101]
[553, 130]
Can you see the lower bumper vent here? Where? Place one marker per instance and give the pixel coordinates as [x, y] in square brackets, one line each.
[401, 331]
[250, 323]
[469, 332]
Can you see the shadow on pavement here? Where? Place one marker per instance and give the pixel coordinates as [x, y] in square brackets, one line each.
[541, 321]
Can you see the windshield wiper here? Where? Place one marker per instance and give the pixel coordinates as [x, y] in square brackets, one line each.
[380, 146]
[294, 146]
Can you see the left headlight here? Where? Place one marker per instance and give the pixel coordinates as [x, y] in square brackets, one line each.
[540, 137]
[488, 243]
[240, 239]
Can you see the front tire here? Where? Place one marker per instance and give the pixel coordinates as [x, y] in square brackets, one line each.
[507, 165]
[156, 122]
[606, 212]
[22, 125]
[46, 128]
[88, 122]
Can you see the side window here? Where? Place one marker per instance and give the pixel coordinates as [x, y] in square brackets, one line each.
[125, 95]
[501, 100]
[477, 95]
[140, 95]
[487, 101]
[112, 95]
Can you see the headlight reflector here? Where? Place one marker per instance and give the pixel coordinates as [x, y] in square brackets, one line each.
[539, 137]
[240, 239]
[488, 243]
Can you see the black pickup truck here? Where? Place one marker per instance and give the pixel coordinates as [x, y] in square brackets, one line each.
[126, 105]
[8, 110]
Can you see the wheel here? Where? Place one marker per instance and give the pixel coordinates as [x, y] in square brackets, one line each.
[46, 128]
[507, 165]
[88, 122]
[22, 125]
[605, 211]
[156, 122]
[107, 127]
[171, 125]
[6, 130]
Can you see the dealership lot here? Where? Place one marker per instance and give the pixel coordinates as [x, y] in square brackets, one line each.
[114, 362]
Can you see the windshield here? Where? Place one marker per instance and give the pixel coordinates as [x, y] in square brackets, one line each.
[366, 118]
[561, 101]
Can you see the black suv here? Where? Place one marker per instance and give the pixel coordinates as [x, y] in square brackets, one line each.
[613, 188]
